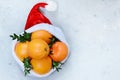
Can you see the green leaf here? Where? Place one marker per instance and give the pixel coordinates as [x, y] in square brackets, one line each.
[22, 37]
[27, 65]
[57, 65]
[14, 36]
[53, 40]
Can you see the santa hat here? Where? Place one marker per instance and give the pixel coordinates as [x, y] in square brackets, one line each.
[36, 16]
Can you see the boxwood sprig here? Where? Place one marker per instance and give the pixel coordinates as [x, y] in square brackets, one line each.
[27, 65]
[53, 40]
[22, 37]
[56, 65]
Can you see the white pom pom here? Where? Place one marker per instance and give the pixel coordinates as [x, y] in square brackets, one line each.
[52, 6]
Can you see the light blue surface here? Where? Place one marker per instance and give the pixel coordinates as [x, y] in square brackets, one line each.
[92, 28]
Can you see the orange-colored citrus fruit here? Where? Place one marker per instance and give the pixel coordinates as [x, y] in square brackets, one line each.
[59, 51]
[41, 34]
[38, 48]
[42, 66]
[21, 50]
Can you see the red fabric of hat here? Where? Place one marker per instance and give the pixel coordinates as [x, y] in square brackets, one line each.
[36, 16]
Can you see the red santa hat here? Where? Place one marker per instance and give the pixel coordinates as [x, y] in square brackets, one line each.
[36, 16]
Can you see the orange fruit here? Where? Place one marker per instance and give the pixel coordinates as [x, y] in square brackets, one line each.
[59, 51]
[21, 50]
[42, 66]
[38, 48]
[41, 34]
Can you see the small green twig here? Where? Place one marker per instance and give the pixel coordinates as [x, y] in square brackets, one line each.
[57, 65]
[27, 65]
[22, 37]
[53, 40]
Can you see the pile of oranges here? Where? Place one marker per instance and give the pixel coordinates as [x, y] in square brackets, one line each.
[41, 50]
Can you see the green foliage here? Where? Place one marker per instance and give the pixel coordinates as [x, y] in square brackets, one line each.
[22, 37]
